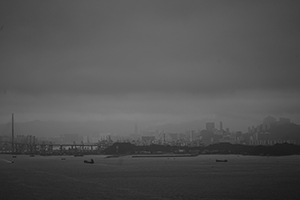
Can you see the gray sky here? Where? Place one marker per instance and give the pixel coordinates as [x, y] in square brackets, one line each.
[166, 61]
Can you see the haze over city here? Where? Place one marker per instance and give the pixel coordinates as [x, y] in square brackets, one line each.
[149, 62]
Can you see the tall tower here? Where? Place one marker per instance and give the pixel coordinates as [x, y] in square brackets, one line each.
[12, 134]
[221, 126]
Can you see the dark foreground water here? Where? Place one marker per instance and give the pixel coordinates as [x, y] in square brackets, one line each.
[242, 177]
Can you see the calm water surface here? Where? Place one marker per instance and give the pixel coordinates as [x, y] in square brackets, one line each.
[242, 177]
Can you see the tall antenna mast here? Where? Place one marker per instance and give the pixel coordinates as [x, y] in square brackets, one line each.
[12, 134]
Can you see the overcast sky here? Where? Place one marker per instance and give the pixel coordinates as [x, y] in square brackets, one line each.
[161, 60]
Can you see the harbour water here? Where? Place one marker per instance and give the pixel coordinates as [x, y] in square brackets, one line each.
[201, 177]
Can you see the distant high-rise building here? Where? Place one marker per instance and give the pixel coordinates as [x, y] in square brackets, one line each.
[196, 135]
[210, 126]
[221, 126]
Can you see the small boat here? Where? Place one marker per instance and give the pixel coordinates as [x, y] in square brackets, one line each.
[89, 161]
[63, 158]
[14, 156]
[221, 160]
[31, 155]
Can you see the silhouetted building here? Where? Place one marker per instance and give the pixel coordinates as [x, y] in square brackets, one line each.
[195, 135]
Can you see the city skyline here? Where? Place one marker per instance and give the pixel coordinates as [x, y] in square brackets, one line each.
[150, 62]
[95, 128]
